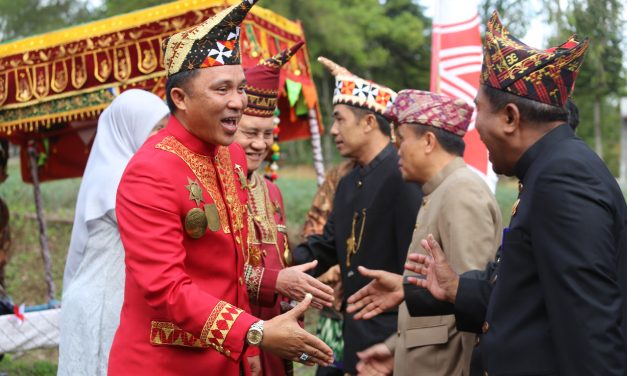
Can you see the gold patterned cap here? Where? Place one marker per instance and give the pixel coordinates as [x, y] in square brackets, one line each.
[214, 42]
[263, 80]
[546, 76]
[355, 91]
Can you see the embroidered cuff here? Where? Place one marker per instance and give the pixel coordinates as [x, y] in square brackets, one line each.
[253, 275]
[226, 328]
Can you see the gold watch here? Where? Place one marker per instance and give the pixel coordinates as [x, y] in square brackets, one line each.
[255, 333]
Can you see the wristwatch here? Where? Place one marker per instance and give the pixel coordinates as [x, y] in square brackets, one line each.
[255, 333]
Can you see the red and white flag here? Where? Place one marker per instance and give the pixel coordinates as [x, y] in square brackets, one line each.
[456, 57]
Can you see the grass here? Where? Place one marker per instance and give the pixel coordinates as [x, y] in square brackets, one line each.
[24, 273]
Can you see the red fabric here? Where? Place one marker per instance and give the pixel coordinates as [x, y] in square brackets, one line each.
[271, 261]
[171, 277]
[65, 156]
[267, 292]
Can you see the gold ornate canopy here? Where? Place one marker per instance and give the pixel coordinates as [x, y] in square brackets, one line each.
[54, 86]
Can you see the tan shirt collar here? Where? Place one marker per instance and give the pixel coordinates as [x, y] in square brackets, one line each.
[435, 181]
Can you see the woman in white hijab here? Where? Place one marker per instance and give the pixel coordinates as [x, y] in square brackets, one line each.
[93, 281]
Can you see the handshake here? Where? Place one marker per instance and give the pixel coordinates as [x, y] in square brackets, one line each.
[283, 336]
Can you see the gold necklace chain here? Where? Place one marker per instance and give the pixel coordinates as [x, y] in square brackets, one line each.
[353, 244]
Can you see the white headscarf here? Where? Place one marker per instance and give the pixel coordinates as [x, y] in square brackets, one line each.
[122, 129]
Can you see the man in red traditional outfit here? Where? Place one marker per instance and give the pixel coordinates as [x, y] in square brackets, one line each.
[181, 208]
[270, 280]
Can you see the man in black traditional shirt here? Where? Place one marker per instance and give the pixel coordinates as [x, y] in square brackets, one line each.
[553, 303]
[374, 210]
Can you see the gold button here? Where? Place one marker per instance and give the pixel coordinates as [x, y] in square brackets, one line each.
[359, 184]
[227, 352]
[477, 341]
[485, 327]
[241, 281]
[398, 333]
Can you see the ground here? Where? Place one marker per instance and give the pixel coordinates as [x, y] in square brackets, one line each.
[25, 280]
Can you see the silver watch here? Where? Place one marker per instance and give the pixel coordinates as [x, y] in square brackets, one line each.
[255, 333]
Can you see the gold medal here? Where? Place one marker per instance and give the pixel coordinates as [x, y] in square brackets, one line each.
[195, 192]
[195, 223]
[212, 217]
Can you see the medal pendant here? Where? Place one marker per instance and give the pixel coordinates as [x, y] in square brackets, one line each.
[212, 217]
[195, 223]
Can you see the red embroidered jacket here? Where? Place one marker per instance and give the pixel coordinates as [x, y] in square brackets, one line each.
[268, 254]
[181, 209]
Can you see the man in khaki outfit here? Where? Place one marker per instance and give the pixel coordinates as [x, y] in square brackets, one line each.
[459, 210]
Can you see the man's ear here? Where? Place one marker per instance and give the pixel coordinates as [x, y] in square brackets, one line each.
[178, 96]
[511, 118]
[370, 122]
[430, 140]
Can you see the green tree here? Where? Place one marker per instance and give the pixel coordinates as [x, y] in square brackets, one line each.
[115, 7]
[380, 40]
[29, 17]
[602, 74]
[516, 14]
[385, 41]
[602, 77]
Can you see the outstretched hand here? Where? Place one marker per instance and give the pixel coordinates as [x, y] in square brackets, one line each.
[294, 283]
[377, 360]
[440, 279]
[284, 337]
[384, 292]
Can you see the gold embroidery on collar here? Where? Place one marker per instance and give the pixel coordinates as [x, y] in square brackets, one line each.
[261, 211]
[226, 173]
[205, 170]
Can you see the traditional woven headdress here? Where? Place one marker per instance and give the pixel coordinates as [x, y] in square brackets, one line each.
[545, 76]
[355, 91]
[212, 43]
[262, 83]
[426, 108]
